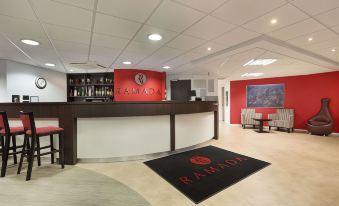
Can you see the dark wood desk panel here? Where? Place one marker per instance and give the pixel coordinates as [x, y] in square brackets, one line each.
[67, 114]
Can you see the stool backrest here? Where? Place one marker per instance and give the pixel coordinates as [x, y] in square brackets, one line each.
[4, 122]
[28, 123]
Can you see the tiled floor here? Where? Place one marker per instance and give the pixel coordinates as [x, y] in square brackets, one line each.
[304, 172]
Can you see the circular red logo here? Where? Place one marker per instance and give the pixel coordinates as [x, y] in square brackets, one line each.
[200, 160]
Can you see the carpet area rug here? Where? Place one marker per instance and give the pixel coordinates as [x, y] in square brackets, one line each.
[203, 172]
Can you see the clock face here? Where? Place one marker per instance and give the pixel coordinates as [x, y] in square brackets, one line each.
[40, 82]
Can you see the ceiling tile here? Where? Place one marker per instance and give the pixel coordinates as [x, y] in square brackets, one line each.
[115, 27]
[130, 9]
[71, 51]
[240, 11]
[215, 47]
[17, 8]
[298, 29]
[202, 5]
[185, 42]
[318, 37]
[209, 28]
[173, 16]
[64, 15]
[146, 30]
[162, 55]
[328, 44]
[182, 59]
[109, 41]
[329, 18]
[103, 55]
[140, 49]
[25, 28]
[235, 37]
[86, 4]
[67, 34]
[285, 15]
[314, 7]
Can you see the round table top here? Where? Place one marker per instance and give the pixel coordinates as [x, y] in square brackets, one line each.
[264, 120]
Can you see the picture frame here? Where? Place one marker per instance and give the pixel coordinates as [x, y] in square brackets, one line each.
[265, 96]
[34, 99]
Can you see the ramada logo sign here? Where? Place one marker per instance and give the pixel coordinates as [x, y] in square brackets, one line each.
[140, 78]
[207, 169]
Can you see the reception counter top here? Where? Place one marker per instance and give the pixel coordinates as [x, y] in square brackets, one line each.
[68, 114]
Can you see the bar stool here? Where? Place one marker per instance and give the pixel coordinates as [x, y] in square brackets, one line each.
[6, 135]
[33, 133]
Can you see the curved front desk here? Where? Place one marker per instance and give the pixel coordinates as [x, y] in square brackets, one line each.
[118, 130]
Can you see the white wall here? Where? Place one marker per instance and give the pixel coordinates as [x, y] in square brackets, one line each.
[3, 80]
[20, 80]
[192, 78]
[227, 108]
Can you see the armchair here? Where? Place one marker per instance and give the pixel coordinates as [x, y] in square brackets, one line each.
[322, 123]
[247, 116]
[283, 118]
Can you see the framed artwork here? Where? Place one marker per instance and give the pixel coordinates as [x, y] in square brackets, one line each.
[15, 98]
[266, 96]
[34, 99]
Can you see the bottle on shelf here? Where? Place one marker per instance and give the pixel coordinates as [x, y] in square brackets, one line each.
[75, 93]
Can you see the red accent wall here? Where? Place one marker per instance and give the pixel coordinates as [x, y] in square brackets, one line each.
[302, 93]
[126, 89]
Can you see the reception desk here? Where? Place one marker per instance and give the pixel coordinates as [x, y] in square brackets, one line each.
[123, 129]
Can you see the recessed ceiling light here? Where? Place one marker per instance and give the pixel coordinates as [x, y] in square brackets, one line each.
[209, 49]
[274, 21]
[166, 67]
[333, 50]
[30, 42]
[127, 62]
[50, 64]
[260, 62]
[252, 74]
[310, 39]
[155, 37]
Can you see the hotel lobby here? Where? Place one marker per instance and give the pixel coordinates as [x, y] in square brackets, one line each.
[169, 102]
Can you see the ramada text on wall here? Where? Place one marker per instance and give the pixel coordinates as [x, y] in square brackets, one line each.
[139, 85]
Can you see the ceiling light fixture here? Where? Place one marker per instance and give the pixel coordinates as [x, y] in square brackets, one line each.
[127, 62]
[30, 42]
[333, 50]
[209, 49]
[71, 70]
[310, 39]
[155, 37]
[252, 74]
[260, 62]
[50, 64]
[166, 67]
[274, 21]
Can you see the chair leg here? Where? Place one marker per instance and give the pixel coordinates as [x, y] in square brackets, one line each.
[289, 130]
[61, 150]
[14, 149]
[31, 158]
[23, 152]
[38, 150]
[269, 128]
[52, 148]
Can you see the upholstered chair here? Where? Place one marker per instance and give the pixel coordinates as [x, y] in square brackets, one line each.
[322, 123]
[283, 118]
[247, 117]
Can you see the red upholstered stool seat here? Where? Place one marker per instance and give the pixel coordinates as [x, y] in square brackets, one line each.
[13, 131]
[41, 131]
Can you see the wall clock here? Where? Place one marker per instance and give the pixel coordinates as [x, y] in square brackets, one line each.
[40, 82]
